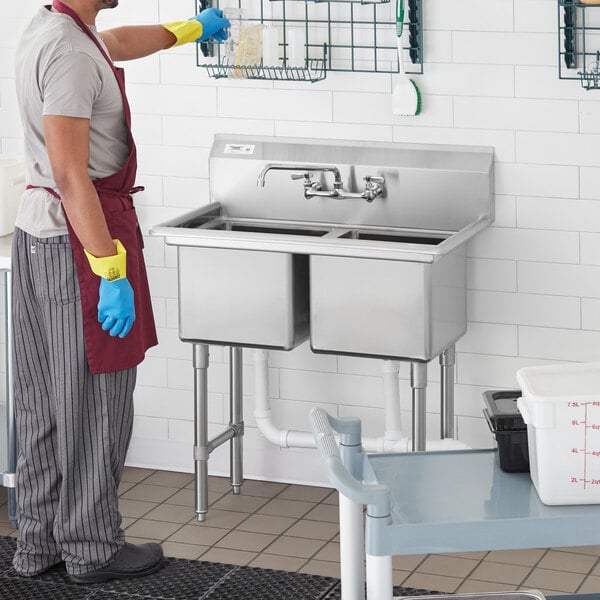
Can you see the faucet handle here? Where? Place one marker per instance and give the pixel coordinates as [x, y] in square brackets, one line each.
[373, 179]
[373, 187]
[309, 182]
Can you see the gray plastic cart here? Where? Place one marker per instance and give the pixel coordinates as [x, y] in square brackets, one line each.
[433, 502]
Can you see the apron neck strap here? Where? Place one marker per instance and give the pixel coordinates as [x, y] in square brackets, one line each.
[63, 8]
[58, 6]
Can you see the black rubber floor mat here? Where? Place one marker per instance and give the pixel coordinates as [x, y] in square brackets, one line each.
[33, 589]
[248, 583]
[179, 579]
[7, 550]
[54, 575]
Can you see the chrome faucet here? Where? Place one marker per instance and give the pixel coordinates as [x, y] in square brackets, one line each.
[337, 183]
[373, 185]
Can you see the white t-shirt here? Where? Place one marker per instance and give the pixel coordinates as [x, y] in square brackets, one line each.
[60, 71]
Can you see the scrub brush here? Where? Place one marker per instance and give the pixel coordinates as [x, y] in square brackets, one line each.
[406, 97]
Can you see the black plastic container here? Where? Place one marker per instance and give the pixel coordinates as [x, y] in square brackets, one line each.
[509, 429]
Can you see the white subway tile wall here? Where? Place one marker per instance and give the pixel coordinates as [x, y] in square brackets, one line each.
[533, 278]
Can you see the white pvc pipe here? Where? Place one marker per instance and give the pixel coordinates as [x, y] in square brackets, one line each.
[289, 438]
[391, 397]
[262, 408]
[352, 544]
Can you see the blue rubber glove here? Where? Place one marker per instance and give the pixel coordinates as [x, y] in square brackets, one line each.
[116, 310]
[214, 25]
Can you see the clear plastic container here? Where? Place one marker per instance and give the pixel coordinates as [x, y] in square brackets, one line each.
[237, 18]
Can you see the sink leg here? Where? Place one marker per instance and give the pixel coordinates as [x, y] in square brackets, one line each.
[418, 383]
[201, 450]
[447, 362]
[236, 419]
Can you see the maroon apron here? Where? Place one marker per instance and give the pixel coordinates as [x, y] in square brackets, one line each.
[105, 353]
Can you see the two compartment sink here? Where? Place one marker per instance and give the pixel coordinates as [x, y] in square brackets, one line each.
[267, 267]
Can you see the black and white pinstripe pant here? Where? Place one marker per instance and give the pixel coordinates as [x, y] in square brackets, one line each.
[73, 427]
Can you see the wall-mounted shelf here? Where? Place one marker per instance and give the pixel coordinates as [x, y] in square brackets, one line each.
[339, 36]
[313, 71]
[579, 42]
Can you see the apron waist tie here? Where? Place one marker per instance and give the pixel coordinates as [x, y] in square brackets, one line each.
[133, 190]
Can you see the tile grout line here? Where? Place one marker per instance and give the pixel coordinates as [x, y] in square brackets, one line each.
[258, 553]
[299, 519]
[532, 568]
[587, 576]
[471, 572]
[306, 560]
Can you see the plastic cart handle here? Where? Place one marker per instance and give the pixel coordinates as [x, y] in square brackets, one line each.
[375, 495]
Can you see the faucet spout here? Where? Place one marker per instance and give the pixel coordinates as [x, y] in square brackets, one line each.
[337, 184]
[312, 188]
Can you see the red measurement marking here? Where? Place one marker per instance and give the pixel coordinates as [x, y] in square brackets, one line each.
[594, 426]
[585, 451]
[574, 422]
[573, 404]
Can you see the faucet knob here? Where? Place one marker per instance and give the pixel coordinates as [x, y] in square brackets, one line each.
[309, 182]
[373, 187]
[373, 179]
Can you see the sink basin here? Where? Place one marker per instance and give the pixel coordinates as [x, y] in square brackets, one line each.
[395, 237]
[243, 297]
[271, 229]
[266, 266]
[385, 308]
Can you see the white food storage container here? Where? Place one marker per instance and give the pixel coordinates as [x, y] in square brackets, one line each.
[561, 406]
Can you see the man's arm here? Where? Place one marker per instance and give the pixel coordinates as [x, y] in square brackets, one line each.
[68, 143]
[136, 41]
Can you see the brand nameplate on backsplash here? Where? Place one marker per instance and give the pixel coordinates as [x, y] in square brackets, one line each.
[239, 149]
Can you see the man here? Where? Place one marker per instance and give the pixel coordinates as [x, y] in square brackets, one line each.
[82, 318]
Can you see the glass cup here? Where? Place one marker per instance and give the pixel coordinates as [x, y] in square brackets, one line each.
[237, 18]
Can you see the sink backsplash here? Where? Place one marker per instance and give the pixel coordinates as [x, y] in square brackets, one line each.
[426, 186]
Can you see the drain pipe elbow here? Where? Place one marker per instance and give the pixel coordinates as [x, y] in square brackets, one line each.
[262, 407]
[264, 422]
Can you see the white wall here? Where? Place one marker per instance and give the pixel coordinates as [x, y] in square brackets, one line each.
[534, 277]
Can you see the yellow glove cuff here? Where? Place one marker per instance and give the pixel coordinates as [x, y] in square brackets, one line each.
[110, 267]
[184, 31]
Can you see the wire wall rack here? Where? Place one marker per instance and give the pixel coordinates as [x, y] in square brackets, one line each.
[338, 35]
[579, 42]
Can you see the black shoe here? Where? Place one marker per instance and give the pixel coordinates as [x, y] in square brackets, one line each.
[131, 561]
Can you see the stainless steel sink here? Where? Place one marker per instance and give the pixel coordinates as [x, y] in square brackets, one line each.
[378, 271]
[362, 246]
